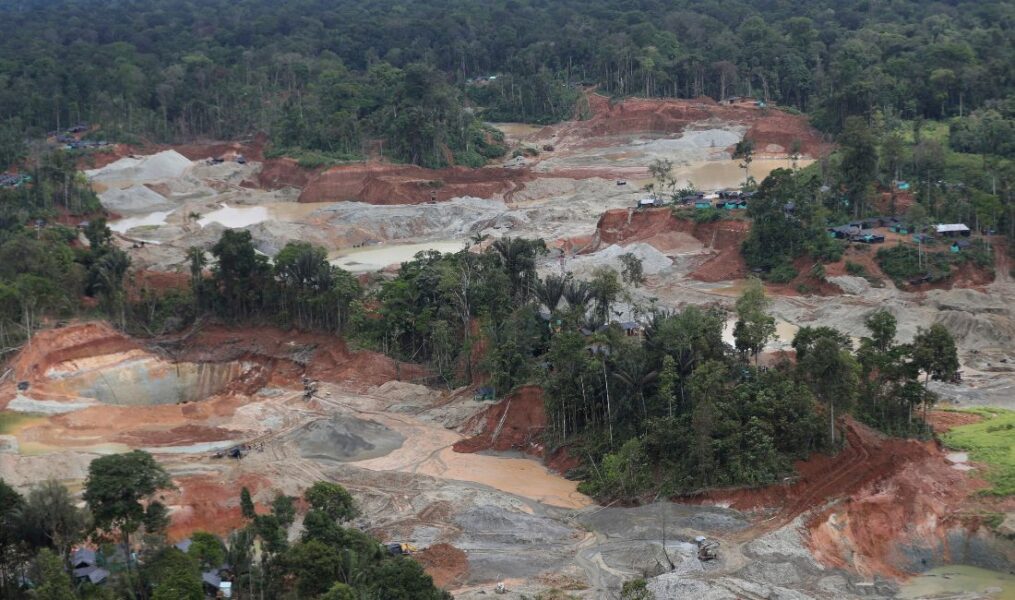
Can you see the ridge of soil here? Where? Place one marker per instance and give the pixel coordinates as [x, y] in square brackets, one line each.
[773, 131]
[516, 423]
[724, 238]
[447, 565]
[872, 500]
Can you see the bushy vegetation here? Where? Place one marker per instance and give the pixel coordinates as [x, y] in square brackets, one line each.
[904, 262]
[123, 510]
[779, 234]
[989, 442]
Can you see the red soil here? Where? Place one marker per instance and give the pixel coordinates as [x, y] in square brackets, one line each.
[622, 226]
[157, 283]
[207, 503]
[284, 172]
[944, 420]
[812, 285]
[878, 494]
[514, 423]
[772, 130]
[250, 149]
[54, 346]
[327, 357]
[447, 565]
[378, 183]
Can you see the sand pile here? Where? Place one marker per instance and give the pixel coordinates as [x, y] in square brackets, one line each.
[132, 171]
[652, 260]
[134, 199]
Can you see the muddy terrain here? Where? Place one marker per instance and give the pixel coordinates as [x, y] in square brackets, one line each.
[460, 478]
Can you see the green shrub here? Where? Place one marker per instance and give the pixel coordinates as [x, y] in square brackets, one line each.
[783, 273]
[856, 269]
[707, 215]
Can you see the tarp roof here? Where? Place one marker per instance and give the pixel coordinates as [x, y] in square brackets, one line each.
[946, 227]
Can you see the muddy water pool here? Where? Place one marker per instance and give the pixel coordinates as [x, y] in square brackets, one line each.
[138, 379]
[375, 258]
[960, 581]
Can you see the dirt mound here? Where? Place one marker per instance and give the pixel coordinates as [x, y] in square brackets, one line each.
[514, 423]
[875, 498]
[154, 283]
[321, 356]
[249, 149]
[283, 172]
[448, 565]
[773, 131]
[657, 226]
[378, 183]
[944, 420]
[54, 346]
[206, 503]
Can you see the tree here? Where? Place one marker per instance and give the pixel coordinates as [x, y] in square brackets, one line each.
[754, 326]
[745, 152]
[206, 549]
[339, 591]
[832, 374]
[175, 576]
[332, 499]
[633, 271]
[882, 325]
[919, 221]
[806, 336]
[661, 170]
[118, 488]
[10, 539]
[404, 579]
[283, 509]
[54, 582]
[934, 353]
[50, 515]
[246, 504]
[858, 165]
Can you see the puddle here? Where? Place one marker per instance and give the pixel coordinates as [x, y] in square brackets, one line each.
[155, 219]
[960, 581]
[784, 329]
[427, 451]
[720, 174]
[137, 379]
[233, 217]
[375, 258]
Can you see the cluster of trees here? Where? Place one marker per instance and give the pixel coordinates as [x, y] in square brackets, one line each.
[679, 410]
[326, 76]
[125, 516]
[44, 269]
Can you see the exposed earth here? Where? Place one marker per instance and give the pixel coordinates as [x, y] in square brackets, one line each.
[460, 478]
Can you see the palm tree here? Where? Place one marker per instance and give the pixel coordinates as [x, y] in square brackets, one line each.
[577, 293]
[550, 290]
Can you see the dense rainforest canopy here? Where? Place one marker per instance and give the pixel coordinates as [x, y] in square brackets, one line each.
[328, 76]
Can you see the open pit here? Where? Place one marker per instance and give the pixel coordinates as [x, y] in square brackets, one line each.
[426, 465]
[135, 379]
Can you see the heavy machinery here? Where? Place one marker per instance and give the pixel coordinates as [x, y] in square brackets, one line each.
[400, 549]
[707, 549]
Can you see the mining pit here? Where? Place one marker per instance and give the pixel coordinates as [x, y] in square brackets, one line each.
[461, 478]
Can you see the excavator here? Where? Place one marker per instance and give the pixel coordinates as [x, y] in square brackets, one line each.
[707, 549]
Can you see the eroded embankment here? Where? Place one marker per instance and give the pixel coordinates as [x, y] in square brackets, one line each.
[515, 423]
[773, 131]
[880, 506]
[655, 226]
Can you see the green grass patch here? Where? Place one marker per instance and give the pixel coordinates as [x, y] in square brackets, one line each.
[990, 442]
[10, 420]
[929, 130]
